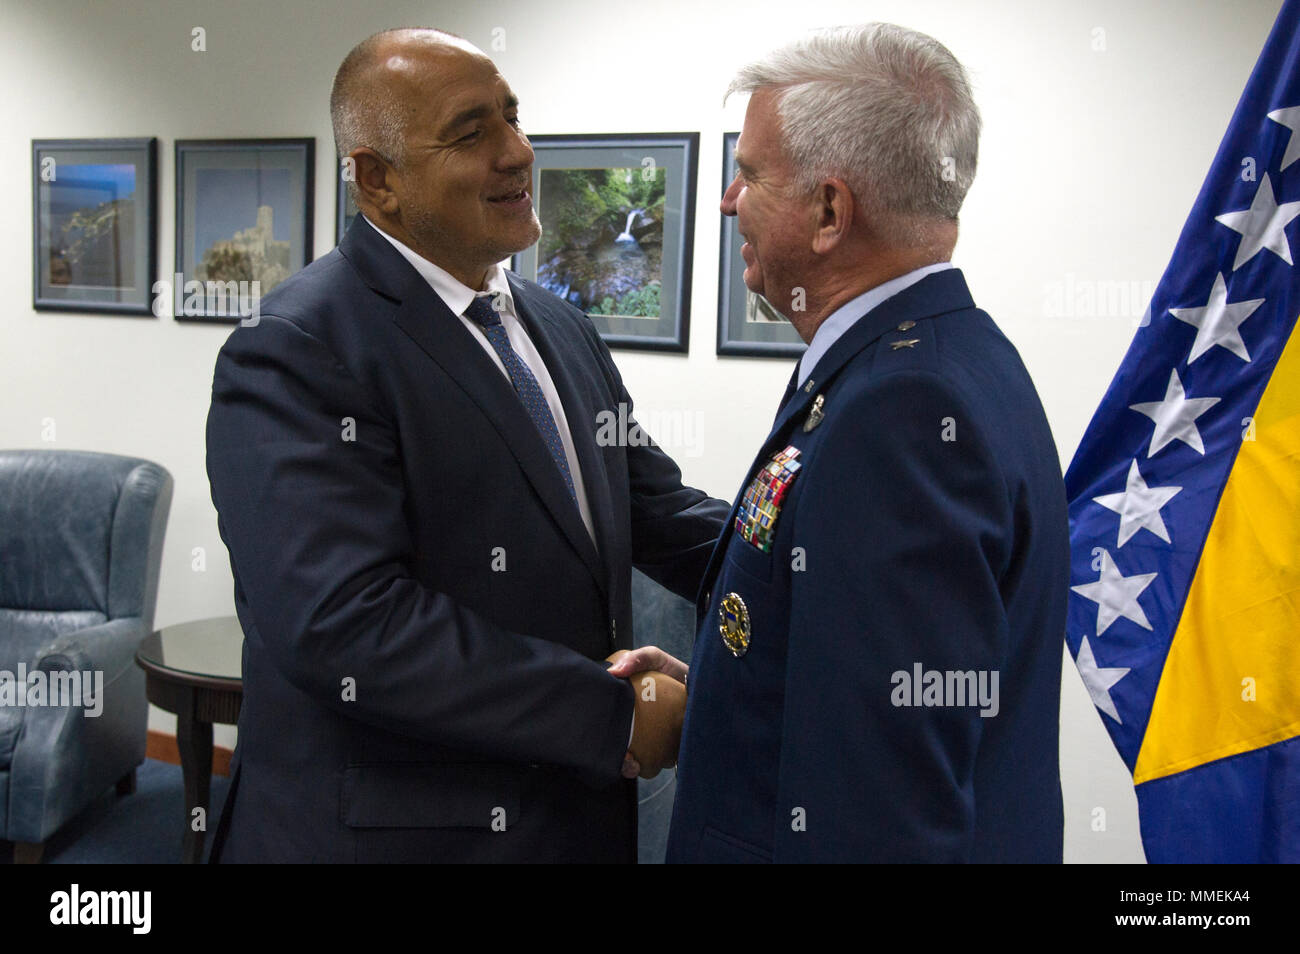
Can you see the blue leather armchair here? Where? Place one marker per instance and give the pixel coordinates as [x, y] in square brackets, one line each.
[81, 538]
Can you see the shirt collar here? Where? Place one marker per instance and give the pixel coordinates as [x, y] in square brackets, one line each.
[454, 293]
[848, 314]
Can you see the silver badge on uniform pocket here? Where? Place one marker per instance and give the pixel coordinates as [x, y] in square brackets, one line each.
[816, 414]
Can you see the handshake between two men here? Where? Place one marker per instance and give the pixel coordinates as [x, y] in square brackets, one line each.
[659, 683]
[906, 508]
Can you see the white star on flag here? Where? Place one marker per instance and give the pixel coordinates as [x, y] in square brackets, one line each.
[1217, 322]
[1175, 417]
[1116, 595]
[1099, 681]
[1139, 506]
[1290, 118]
[1262, 226]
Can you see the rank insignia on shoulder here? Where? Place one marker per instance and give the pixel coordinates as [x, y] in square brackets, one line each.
[761, 504]
[733, 623]
[816, 414]
[906, 343]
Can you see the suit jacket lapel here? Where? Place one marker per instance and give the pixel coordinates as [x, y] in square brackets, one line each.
[936, 294]
[432, 327]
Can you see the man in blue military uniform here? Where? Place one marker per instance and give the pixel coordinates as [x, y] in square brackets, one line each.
[876, 675]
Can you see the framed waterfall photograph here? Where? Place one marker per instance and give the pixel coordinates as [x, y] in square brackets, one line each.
[747, 323]
[94, 225]
[243, 222]
[618, 219]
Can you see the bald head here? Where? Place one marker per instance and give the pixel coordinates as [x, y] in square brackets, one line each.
[440, 161]
[378, 85]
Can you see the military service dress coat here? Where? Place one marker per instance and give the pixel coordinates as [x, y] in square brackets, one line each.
[876, 674]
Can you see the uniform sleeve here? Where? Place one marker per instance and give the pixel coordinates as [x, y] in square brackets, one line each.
[905, 527]
[306, 479]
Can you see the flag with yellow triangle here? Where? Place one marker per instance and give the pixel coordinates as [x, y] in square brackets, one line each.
[1184, 494]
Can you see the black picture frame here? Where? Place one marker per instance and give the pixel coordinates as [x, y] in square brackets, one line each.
[345, 210]
[224, 187]
[94, 225]
[648, 163]
[738, 331]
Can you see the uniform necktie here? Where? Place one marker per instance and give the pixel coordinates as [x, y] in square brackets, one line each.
[481, 312]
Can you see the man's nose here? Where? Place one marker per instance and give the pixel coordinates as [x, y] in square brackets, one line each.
[519, 152]
[728, 203]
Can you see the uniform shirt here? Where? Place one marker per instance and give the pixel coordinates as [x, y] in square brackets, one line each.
[456, 295]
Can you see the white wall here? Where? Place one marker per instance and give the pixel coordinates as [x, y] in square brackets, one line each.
[1090, 161]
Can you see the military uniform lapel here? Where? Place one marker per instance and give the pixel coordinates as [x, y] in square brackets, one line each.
[936, 294]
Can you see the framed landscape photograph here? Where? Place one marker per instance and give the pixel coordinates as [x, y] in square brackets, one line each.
[345, 210]
[243, 221]
[94, 225]
[618, 220]
[747, 323]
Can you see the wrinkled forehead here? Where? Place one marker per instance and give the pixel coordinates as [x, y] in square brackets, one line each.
[435, 81]
[760, 136]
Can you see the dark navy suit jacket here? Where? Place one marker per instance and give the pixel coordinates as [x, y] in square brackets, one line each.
[423, 608]
[926, 526]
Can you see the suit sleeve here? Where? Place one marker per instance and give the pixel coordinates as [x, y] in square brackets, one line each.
[906, 528]
[306, 478]
[674, 527]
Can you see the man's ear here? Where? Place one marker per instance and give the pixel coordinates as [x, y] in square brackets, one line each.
[374, 181]
[834, 211]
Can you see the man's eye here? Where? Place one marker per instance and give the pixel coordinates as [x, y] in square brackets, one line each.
[470, 137]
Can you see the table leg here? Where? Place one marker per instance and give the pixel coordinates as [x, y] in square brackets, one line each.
[194, 739]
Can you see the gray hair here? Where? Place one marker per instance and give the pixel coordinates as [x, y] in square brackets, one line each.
[887, 109]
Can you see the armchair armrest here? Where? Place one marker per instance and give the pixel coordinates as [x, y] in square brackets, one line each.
[108, 647]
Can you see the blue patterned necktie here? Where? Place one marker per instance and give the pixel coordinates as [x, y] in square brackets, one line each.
[481, 312]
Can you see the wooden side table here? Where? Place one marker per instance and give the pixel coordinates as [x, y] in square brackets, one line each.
[194, 670]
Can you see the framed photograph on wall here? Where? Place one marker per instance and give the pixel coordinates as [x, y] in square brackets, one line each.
[618, 222]
[747, 323]
[94, 225]
[243, 221]
[345, 210]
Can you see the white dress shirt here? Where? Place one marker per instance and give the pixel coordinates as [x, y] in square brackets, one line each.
[848, 314]
[457, 296]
